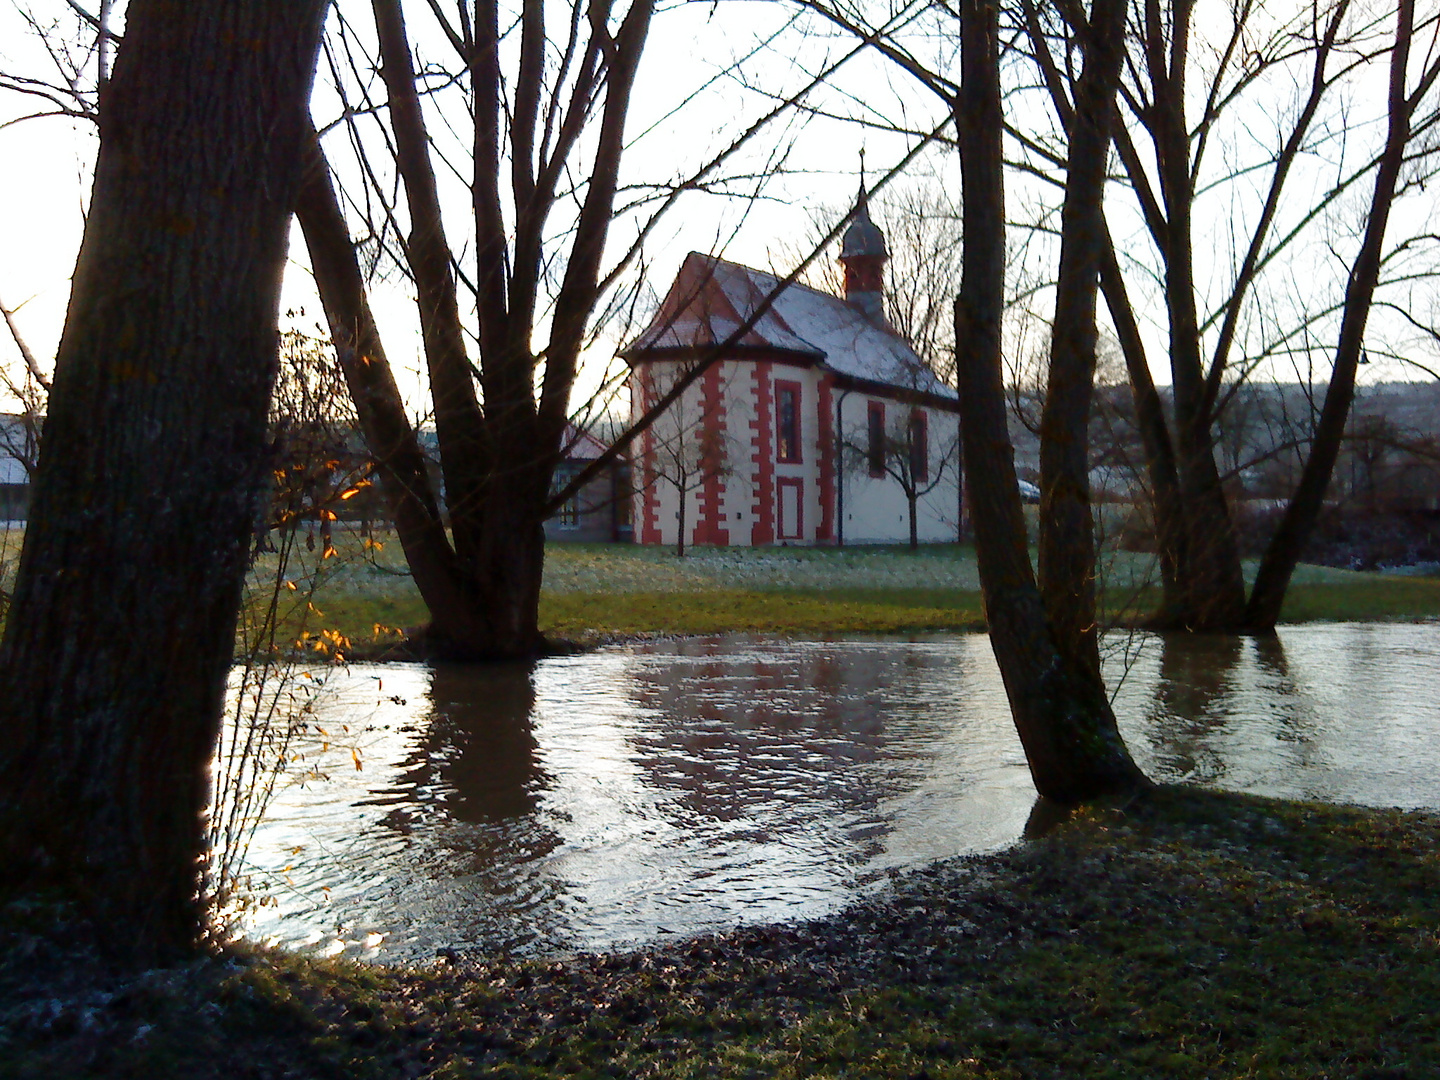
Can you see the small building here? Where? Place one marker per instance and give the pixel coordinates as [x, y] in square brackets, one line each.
[19, 448]
[601, 510]
[818, 425]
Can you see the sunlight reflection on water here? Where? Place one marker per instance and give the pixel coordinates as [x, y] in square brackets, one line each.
[590, 801]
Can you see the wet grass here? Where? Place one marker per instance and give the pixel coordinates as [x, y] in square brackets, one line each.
[1368, 596]
[594, 592]
[1189, 935]
[597, 591]
[782, 612]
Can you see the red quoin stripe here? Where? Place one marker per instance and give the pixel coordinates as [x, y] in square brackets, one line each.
[763, 459]
[710, 528]
[650, 494]
[825, 531]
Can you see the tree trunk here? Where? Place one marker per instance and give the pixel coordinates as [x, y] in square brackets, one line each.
[680, 535]
[152, 467]
[1286, 546]
[960, 500]
[483, 606]
[507, 566]
[1063, 717]
[481, 582]
[399, 459]
[1213, 595]
[1067, 525]
[487, 456]
[1167, 506]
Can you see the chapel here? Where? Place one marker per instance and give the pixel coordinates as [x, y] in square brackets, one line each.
[817, 425]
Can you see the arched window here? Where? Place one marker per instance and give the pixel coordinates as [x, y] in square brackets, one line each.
[875, 418]
[787, 421]
[919, 447]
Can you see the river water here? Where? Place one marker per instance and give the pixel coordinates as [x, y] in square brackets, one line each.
[624, 795]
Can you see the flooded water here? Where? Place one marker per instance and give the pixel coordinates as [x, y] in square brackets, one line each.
[639, 791]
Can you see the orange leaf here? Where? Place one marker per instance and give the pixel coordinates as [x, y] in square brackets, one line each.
[352, 492]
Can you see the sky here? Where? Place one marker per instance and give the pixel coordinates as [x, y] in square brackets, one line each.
[44, 166]
[44, 187]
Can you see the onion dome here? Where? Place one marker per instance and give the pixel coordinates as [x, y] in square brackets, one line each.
[863, 237]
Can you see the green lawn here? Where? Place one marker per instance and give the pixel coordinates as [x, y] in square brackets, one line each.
[595, 591]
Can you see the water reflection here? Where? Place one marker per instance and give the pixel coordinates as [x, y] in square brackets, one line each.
[477, 758]
[1294, 714]
[766, 744]
[1223, 705]
[1341, 712]
[586, 801]
[1191, 700]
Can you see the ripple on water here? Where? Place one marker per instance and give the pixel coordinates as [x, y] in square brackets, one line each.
[593, 800]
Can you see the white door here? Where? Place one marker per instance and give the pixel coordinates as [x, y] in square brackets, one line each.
[789, 492]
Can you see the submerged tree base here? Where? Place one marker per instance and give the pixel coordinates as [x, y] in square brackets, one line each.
[1193, 934]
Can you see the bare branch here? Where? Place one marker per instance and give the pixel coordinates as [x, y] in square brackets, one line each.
[31, 364]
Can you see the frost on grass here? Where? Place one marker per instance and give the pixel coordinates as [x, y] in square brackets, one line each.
[652, 569]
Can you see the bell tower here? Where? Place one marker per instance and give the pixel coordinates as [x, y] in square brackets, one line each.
[863, 255]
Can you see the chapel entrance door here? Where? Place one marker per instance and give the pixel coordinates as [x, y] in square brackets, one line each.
[789, 492]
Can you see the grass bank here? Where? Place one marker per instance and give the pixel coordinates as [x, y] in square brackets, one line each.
[1190, 935]
[597, 590]
[594, 591]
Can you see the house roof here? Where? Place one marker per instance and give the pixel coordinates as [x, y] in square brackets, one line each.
[711, 298]
[580, 445]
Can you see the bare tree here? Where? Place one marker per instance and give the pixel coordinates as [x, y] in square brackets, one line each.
[551, 131]
[1047, 661]
[21, 440]
[1283, 553]
[1168, 157]
[1049, 666]
[545, 154]
[79, 44]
